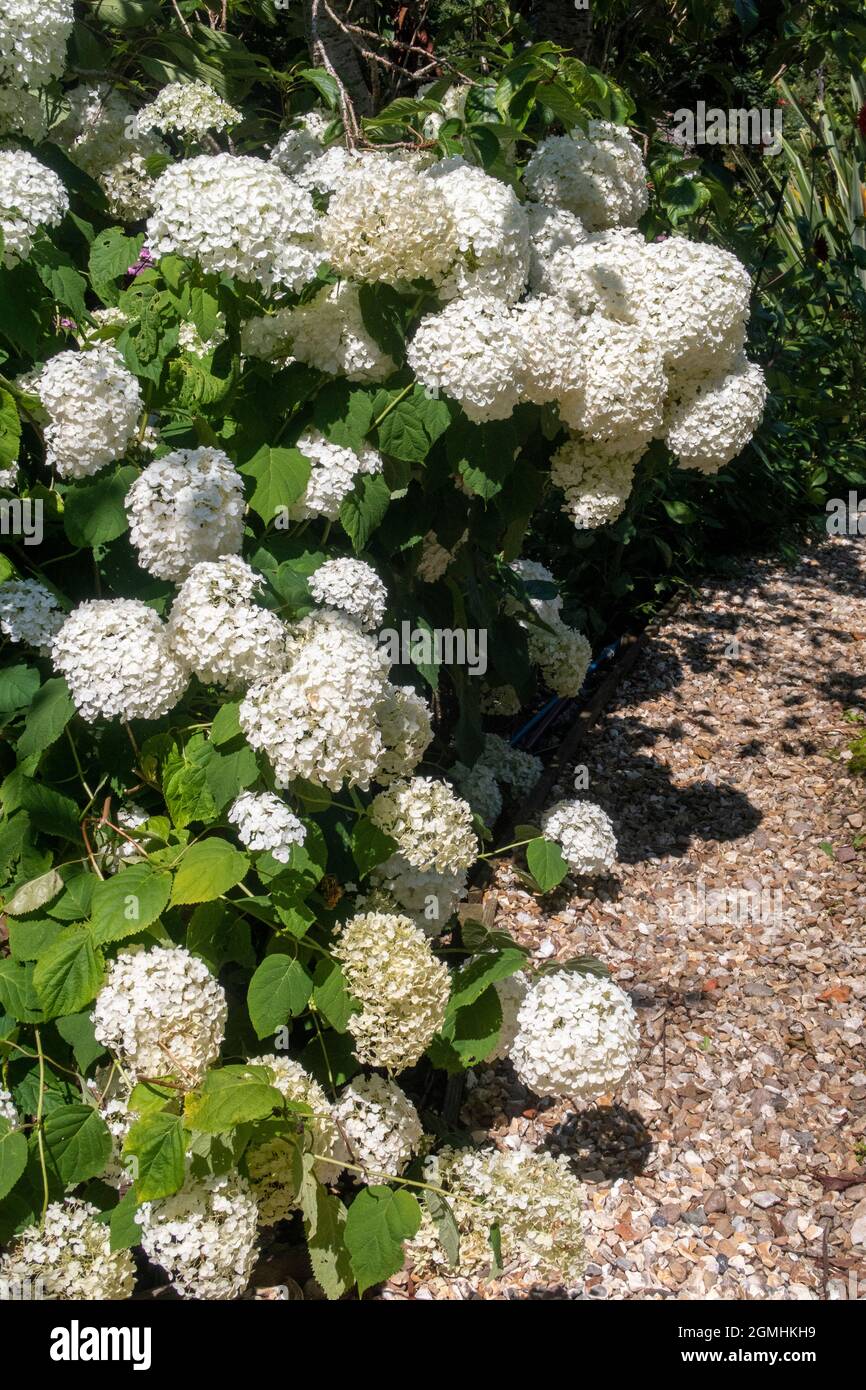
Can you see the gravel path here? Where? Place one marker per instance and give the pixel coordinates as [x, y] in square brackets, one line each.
[735, 920]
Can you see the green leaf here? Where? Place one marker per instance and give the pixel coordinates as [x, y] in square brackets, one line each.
[77, 1143]
[13, 1157]
[470, 982]
[330, 995]
[94, 512]
[280, 476]
[125, 1230]
[378, 1223]
[325, 1229]
[50, 711]
[74, 906]
[411, 426]
[218, 935]
[18, 685]
[10, 429]
[111, 255]
[57, 272]
[69, 973]
[468, 1035]
[449, 1233]
[279, 990]
[370, 846]
[77, 1030]
[227, 774]
[17, 995]
[344, 414]
[680, 512]
[30, 938]
[129, 901]
[185, 785]
[34, 894]
[156, 1142]
[383, 311]
[230, 1097]
[208, 870]
[49, 811]
[225, 726]
[546, 863]
[363, 509]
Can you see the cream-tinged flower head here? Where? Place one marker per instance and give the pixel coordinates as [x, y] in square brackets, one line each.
[598, 174]
[203, 1236]
[264, 822]
[403, 717]
[219, 632]
[191, 109]
[694, 301]
[596, 478]
[327, 332]
[30, 613]
[427, 896]
[33, 35]
[712, 423]
[94, 405]
[186, 507]
[333, 470]
[584, 834]
[352, 586]
[117, 661]
[68, 1258]
[31, 196]
[271, 1164]
[472, 351]
[301, 143]
[492, 232]
[431, 826]
[100, 134]
[577, 1036]
[401, 987]
[379, 1126]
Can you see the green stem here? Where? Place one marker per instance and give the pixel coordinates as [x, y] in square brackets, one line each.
[517, 844]
[40, 1138]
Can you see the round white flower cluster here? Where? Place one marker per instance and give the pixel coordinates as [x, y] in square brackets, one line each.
[117, 661]
[563, 655]
[30, 613]
[186, 507]
[162, 1013]
[94, 405]
[33, 35]
[492, 232]
[301, 143]
[584, 834]
[100, 135]
[203, 1236]
[328, 332]
[499, 701]
[325, 174]
[432, 827]
[694, 301]
[512, 992]
[379, 1126]
[600, 270]
[387, 222]
[471, 350]
[401, 987]
[353, 587]
[577, 1035]
[7, 1109]
[333, 469]
[270, 1164]
[217, 630]
[478, 786]
[318, 719]
[512, 767]
[596, 478]
[264, 822]
[21, 114]
[238, 215]
[31, 197]
[68, 1258]
[427, 896]
[715, 421]
[187, 108]
[405, 726]
[533, 1198]
[598, 174]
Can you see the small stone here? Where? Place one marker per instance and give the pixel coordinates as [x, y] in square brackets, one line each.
[765, 1199]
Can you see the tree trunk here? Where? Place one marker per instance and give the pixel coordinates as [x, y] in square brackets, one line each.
[332, 48]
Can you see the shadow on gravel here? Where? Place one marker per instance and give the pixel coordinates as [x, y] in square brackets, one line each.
[602, 1144]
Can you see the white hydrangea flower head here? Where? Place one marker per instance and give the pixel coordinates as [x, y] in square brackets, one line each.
[492, 232]
[352, 586]
[161, 1013]
[301, 143]
[625, 386]
[100, 135]
[94, 405]
[386, 222]
[473, 352]
[187, 108]
[712, 424]
[584, 834]
[203, 1236]
[33, 35]
[429, 897]
[402, 988]
[479, 787]
[21, 114]
[380, 1127]
[7, 1109]
[30, 613]
[695, 304]
[405, 725]
[552, 230]
[69, 1259]
[328, 332]
[31, 196]
[553, 352]
[607, 272]
[217, 630]
[597, 480]
[511, 766]
[512, 992]
[534, 1199]
[117, 661]
[270, 1164]
[318, 719]
[237, 215]
[186, 507]
[563, 657]
[599, 175]
[327, 172]
[264, 822]
[431, 825]
[577, 1035]
[333, 469]
[9, 477]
